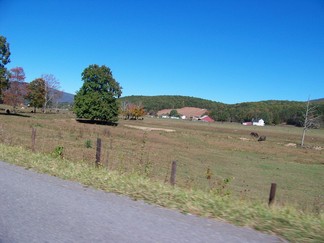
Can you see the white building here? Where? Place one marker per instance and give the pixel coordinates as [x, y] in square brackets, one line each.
[259, 123]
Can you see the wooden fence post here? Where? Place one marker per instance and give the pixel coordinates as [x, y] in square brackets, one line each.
[33, 137]
[173, 173]
[98, 152]
[272, 193]
[107, 159]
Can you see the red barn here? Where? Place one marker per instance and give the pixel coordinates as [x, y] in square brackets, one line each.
[206, 119]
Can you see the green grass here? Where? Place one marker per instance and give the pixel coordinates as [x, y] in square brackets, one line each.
[285, 221]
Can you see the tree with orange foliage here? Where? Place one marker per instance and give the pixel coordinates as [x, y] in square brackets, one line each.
[132, 111]
[17, 90]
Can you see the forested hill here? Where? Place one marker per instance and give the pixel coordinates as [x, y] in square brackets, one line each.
[156, 103]
[66, 98]
[272, 111]
[318, 100]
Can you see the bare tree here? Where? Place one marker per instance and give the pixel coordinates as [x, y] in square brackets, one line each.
[52, 90]
[311, 119]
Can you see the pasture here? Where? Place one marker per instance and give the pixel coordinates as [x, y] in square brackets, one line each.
[237, 163]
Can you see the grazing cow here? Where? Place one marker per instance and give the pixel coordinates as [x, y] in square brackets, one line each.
[254, 134]
[262, 138]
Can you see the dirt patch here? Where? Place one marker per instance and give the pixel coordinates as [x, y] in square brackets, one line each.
[291, 145]
[150, 128]
[318, 148]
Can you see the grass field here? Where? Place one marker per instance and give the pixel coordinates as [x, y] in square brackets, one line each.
[239, 165]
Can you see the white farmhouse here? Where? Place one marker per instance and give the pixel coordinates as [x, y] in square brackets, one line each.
[259, 123]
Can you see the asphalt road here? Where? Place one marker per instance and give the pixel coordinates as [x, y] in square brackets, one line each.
[40, 208]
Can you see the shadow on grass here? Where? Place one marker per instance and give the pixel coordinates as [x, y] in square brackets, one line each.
[13, 114]
[98, 122]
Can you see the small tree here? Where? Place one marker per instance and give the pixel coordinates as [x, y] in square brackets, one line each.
[17, 90]
[174, 113]
[4, 60]
[52, 90]
[137, 111]
[124, 110]
[311, 119]
[36, 93]
[97, 98]
[132, 111]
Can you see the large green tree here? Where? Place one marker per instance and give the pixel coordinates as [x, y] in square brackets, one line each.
[4, 60]
[97, 98]
[36, 93]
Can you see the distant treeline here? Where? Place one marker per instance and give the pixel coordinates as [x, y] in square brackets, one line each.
[272, 111]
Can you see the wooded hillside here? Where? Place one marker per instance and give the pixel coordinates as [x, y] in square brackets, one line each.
[271, 111]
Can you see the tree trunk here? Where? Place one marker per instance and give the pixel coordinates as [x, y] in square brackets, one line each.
[305, 124]
[303, 137]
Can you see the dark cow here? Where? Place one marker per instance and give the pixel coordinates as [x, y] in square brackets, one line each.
[254, 134]
[262, 138]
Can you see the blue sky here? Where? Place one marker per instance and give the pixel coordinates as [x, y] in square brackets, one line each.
[228, 51]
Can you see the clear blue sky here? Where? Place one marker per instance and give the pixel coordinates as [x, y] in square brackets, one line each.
[229, 51]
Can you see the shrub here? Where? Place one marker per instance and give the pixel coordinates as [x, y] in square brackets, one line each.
[88, 143]
[58, 152]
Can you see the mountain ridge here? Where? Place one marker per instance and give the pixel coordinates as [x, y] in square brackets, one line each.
[179, 101]
[66, 98]
[69, 98]
[132, 97]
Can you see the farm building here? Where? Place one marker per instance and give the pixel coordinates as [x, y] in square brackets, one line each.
[206, 119]
[247, 123]
[259, 123]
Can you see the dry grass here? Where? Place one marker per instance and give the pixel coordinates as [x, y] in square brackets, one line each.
[252, 166]
[294, 225]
